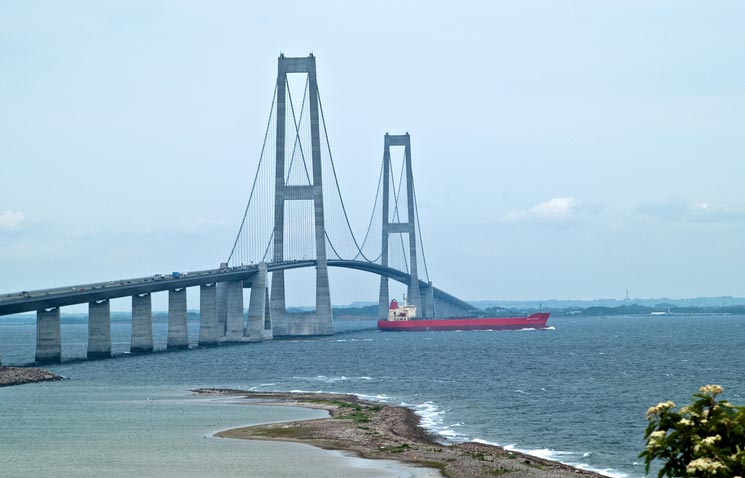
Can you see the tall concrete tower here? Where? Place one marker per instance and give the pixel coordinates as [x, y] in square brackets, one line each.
[401, 227]
[284, 324]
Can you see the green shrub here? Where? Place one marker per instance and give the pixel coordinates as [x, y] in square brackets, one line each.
[704, 440]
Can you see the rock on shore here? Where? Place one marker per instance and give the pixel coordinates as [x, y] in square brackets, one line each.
[19, 375]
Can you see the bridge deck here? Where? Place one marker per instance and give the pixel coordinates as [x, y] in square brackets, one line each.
[27, 301]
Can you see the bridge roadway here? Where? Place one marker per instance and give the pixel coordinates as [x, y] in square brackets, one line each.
[27, 301]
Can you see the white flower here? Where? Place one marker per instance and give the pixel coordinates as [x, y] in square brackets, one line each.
[685, 422]
[659, 408]
[655, 439]
[711, 389]
[706, 443]
[704, 464]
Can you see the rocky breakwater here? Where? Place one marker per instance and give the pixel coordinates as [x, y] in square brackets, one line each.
[20, 375]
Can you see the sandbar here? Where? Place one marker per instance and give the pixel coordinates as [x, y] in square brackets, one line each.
[387, 432]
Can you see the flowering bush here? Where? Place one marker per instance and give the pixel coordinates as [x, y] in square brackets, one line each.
[704, 440]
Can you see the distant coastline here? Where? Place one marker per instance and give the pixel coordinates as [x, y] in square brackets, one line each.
[723, 305]
[630, 309]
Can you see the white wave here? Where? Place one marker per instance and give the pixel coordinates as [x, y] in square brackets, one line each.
[432, 420]
[603, 471]
[485, 442]
[550, 327]
[340, 378]
[565, 457]
[373, 398]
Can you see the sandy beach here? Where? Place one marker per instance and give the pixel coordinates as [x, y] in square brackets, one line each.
[384, 432]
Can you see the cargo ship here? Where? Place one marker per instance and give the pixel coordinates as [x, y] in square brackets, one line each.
[403, 318]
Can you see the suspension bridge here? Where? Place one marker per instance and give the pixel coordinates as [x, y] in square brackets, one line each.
[291, 221]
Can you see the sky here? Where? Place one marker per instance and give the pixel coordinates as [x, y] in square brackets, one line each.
[561, 149]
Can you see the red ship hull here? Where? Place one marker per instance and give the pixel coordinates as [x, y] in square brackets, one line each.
[533, 321]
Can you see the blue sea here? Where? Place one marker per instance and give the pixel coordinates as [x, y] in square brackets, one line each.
[576, 393]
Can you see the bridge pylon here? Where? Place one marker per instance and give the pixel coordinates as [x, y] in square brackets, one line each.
[284, 324]
[400, 227]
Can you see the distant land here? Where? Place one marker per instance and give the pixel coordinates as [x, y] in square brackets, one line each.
[496, 308]
[722, 301]
[596, 307]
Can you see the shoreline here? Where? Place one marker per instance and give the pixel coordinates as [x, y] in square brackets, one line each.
[11, 376]
[381, 431]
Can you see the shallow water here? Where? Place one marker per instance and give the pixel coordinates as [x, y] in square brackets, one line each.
[73, 429]
[577, 393]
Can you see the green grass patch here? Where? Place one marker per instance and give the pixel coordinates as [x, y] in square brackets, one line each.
[285, 432]
[358, 417]
[396, 449]
[498, 471]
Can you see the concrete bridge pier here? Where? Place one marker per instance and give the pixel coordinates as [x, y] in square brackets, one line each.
[428, 301]
[257, 306]
[383, 299]
[209, 335]
[178, 334]
[268, 329]
[234, 319]
[222, 307]
[99, 329]
[443, 309]
[142, 324]
[48, 336]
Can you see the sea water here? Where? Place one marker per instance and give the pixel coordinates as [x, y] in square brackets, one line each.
[576, 393]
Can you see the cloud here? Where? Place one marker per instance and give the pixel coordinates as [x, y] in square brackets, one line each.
[10, 220]
[553, 209]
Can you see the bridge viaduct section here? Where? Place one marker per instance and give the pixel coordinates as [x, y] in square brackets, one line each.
[47, 303]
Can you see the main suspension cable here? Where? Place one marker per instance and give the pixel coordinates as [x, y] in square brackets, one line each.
[336, 179]
[372, 216]
[297, 138]
[297, 131]
[419, 230]
[258, 168]
[396, 214]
